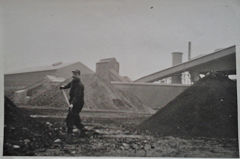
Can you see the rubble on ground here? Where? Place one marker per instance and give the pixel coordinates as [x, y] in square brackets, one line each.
[208, 109]
[23, 134]
[105, 137]
[112, 140]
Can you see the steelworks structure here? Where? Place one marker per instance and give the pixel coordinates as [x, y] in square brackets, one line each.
[223, 60]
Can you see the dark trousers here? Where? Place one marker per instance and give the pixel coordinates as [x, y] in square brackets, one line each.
[73, 118]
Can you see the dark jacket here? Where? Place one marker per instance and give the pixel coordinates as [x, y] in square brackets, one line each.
[76, 92]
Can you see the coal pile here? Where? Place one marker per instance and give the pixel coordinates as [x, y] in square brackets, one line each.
[206, 109]
[99, 95]
[23, 134]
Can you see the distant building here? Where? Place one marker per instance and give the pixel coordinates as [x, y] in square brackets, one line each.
[24, 78]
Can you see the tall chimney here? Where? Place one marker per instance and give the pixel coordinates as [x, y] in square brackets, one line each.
[176, 58]
[189, 50]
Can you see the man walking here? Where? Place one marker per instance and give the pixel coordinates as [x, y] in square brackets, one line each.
[76, 103]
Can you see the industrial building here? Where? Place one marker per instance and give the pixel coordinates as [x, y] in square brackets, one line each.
[159, 88]
[223, 60]
[154, 90]
[24, 78]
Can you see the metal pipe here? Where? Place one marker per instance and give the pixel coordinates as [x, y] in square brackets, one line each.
[189, 50]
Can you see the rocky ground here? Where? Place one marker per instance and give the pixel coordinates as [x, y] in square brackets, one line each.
[112, 138]
[115, 136]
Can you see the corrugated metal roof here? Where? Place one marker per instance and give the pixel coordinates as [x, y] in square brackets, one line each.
[202, 60]
[41, 68]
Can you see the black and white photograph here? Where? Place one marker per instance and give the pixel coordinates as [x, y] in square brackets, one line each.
[120, 78]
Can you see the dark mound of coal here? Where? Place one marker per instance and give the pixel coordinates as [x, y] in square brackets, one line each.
[206, 109]
[23, 134]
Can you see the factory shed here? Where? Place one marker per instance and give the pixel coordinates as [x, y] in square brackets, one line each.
[24, 78]
[223, 60]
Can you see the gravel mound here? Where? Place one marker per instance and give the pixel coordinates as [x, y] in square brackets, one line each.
[206, 109]
[99, 95]
[23, 134]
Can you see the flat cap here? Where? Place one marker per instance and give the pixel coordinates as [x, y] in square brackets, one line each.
[76, 71]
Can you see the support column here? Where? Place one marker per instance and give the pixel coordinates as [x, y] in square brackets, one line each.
[177, 79]
[176, 60]
[195, 76]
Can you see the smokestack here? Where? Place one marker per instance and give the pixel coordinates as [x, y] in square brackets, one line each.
[176, 58]
[189, 50]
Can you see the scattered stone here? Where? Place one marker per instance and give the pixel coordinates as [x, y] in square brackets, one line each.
[12, 128]
[121, 147]
[48, 123]
[16, 146]
[75, 130]
[57, 141]
[25, 129]
[147, 147]
[135, 146]
[126, 146]
[73, 152]
[26, 141]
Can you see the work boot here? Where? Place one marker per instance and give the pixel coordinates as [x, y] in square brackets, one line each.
[83, 133]
[69, 131]
[69, 138]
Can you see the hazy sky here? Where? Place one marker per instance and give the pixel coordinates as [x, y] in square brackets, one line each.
[140, 34]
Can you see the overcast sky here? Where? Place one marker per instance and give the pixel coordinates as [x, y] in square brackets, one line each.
[140, 34]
